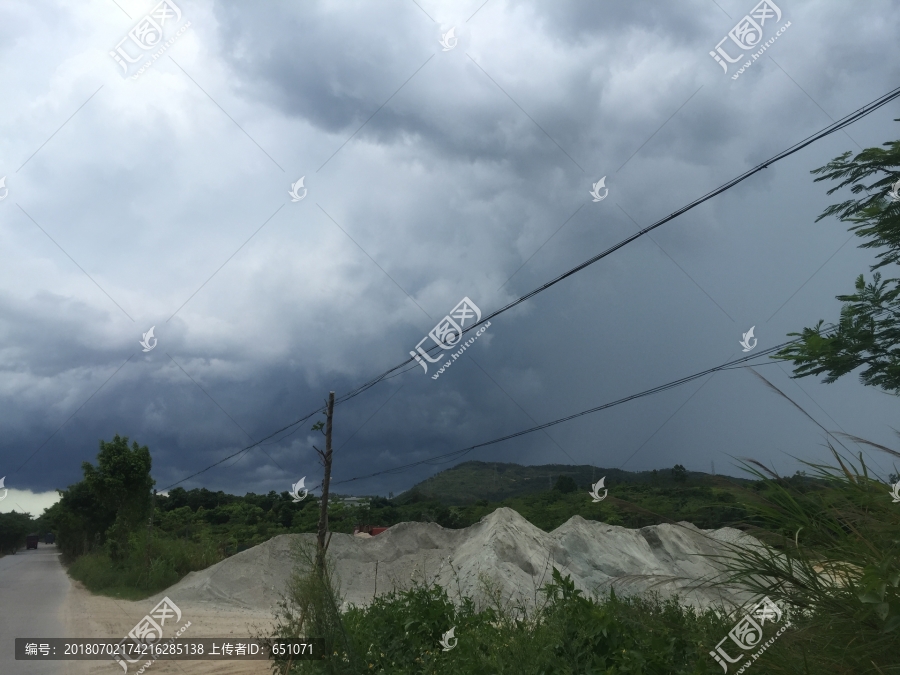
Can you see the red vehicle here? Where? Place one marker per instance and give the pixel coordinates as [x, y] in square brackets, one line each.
[31, 541]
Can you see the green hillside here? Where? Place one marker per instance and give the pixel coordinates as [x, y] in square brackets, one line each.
[470, 482]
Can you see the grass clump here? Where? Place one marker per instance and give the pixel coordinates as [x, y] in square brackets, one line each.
[567, 633]
[149, 566]
[832, 554]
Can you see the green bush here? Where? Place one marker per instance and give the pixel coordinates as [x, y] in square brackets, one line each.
[400, 633]
[144, 568]
[13, 529]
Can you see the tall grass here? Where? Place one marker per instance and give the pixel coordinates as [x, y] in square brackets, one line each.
[149, 567]
[311, 609]
[831, 555]
[399, 633]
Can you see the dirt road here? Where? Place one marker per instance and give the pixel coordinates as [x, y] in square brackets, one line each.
[33, 588]
[89, 615]
[37, 599]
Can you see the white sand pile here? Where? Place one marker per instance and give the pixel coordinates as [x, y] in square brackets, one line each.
[511, 553]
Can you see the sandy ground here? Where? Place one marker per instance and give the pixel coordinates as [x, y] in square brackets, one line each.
[87, 615]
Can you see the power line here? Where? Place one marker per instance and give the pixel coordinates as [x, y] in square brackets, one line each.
[249, 447]
[827, 131]
[450, 456]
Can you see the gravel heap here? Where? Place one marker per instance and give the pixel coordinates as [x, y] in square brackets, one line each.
[504, 549]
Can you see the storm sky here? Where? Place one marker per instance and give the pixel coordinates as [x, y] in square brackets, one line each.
[435, 166]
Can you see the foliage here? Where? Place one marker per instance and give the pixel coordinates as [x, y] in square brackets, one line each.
[832, 556]
[565, 484]
[310, 608]
[400, 632]
[868, 332]
[468, 482]
[13, 529]
[152, 564]
[108, 505]
[121, 484]
[679, 474]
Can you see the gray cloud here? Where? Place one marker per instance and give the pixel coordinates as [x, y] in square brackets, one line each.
[445, 192]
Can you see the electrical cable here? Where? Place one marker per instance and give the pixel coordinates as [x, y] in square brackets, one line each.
[855, 116]
[450, 456]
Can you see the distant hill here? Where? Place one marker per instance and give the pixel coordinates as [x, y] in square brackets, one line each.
[469, 482]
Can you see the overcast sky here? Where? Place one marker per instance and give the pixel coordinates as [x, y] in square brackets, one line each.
[435, 166]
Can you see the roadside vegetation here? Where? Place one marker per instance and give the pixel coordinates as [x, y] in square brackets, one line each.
[567, 633]
[14, 527]
[121, 539]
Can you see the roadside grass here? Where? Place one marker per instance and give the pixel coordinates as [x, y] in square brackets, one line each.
[566, 634]
[148, 568]
[832, 554]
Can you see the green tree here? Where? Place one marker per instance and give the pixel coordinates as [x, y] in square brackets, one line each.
[679, 474]
[106, 506]
[121, 483]
[79, 519]
[565, 484]
[868, 331]
[13, 528]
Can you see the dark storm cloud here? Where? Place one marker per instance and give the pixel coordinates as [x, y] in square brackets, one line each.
[172, 207]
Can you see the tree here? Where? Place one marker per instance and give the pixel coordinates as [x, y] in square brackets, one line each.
[565, 484]
[122, 483]
[679, 474]
[109, 504]
[868, 331]
[79, 519]
[13, 528]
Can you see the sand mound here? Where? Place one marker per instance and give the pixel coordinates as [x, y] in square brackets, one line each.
[514, 555]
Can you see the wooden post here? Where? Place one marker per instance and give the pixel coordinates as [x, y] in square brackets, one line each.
[326, 481]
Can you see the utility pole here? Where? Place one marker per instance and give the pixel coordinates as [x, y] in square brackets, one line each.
[321, 546]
